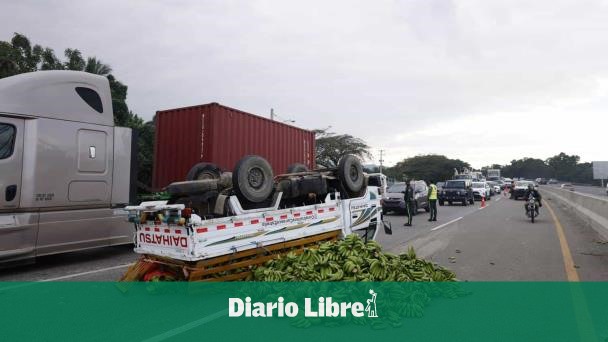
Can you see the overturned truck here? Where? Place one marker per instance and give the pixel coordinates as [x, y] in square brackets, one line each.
[218, 225]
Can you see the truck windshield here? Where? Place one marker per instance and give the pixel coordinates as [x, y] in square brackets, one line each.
[396, 188]
[454, 185]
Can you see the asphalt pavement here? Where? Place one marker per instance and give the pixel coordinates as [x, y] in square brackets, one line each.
[586, 189]
[499, 243]
[494, 243]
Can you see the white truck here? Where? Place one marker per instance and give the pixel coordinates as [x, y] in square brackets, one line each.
[172, 231]
[493, 174]
[233, 230]
[65, 169]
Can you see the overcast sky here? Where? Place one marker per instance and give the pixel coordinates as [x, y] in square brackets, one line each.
[483, 81]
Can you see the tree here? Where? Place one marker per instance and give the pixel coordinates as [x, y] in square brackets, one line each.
[331, 147]
[530, 168]
[95, 66]
[431, 167]
[564, 166]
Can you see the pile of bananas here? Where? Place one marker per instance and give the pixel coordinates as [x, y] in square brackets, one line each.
[350, 259]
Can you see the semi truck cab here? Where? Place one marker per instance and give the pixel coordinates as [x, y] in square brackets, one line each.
[64, 167]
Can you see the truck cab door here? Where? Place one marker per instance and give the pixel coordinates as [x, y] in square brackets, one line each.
[11, 161]
[18, 230]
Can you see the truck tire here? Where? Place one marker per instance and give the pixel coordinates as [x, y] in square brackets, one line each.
[252, 179]
[202, 171]
[350, 173]
[441, 203]
[296, 168]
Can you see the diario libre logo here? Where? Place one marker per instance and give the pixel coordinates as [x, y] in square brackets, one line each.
[322, 307]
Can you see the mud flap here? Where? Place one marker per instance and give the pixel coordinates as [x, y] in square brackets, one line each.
[388, 228]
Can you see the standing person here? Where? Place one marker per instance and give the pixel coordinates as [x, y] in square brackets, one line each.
[432, 195]
[408, 197]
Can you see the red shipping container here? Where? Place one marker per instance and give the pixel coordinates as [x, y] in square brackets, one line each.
[223, 135]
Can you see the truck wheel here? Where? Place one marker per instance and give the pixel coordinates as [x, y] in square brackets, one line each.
[202, 171]
[464, 203]
[253, 179]
[296, 168]
[441, 203]
[472, 201]
[350, 173]
[450, 202]
[427, 208]
[384, 211]
[415, 209]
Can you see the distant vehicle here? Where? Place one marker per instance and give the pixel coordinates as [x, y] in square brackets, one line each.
[379, 180]
[481, 189]
[567, 186]
[493, 174]
[394, 199]
[440, 185]
[494, 187]
[520, 189]
[457, 190]
[552, 181]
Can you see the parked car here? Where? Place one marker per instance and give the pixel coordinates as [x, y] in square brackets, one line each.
[394, 201]
[567, 186]
[457, 190]
[481, 189]
[520, 189]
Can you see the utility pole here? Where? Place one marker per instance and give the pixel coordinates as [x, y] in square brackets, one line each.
[272, 114]
[381, 160]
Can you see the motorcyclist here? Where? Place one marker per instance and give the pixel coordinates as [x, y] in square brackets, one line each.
[532, 191]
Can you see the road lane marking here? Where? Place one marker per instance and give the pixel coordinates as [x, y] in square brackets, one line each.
[186, 327]
[571, 272]
[498, 199]
[445, 224]
[86, 273]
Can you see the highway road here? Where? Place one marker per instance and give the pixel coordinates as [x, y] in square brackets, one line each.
[590, 190]
[494, 243]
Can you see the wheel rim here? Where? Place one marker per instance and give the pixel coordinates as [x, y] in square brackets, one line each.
[353, 173]
[255, 178]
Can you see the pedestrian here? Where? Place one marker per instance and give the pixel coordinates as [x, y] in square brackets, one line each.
[432, 196]
[408, 197]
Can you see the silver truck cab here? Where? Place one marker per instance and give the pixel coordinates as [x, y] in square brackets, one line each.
[64, 166]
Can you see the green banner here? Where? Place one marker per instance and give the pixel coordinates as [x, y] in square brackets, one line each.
[257, 311]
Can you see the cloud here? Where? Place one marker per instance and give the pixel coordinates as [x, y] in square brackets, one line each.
[427, 76]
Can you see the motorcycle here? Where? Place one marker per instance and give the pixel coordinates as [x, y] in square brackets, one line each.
[532, 207]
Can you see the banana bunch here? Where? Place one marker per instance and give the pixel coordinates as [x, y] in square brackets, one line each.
[351, 259]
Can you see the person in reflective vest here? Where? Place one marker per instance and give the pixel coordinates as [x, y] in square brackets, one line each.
[432, 195]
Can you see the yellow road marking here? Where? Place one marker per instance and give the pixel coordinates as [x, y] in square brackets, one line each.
[571, 272]
[586, 329]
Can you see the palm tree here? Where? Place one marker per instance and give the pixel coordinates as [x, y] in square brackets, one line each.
[95, 66]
